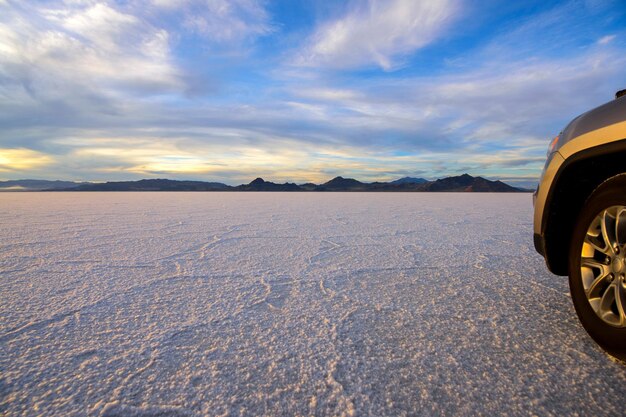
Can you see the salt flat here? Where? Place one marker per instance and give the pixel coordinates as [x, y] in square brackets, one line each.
[176, 304]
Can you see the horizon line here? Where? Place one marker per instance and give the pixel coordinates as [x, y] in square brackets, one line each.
[428, 179]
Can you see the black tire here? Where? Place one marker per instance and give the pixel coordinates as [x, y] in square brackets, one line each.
[610, 193]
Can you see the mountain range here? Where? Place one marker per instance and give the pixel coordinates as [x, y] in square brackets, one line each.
[461, 183]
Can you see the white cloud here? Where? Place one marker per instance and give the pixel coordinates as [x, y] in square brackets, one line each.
[377, 32]
[484, 110]
[64, 51]
[328, 94]
[221, 21]
[606, 39]
[169, 4]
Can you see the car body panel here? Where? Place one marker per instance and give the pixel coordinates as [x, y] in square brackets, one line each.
[613, 133]
[607, 114]
[599, 131]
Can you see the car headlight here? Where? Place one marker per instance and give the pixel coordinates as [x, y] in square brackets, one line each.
[553, 144]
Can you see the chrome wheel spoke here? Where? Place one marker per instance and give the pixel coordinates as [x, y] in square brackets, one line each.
[591, 240]
[608, 229]
[620, 227]
[595, 288]
[606, 304]
[592, 263]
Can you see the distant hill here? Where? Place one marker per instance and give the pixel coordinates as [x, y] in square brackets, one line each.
[409, 180]
[309, 186]
[342, 184]
[153, 185]
[461, 183]
[260, 184]
[467, 183]
[36, 185]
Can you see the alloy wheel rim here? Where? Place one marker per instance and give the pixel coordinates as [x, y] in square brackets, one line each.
[603, 265]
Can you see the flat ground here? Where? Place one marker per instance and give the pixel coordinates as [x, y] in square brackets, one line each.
[149, 304]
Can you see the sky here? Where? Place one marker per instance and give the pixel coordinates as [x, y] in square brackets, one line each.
[299, 91]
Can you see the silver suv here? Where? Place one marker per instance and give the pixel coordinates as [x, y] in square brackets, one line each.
[580, 219]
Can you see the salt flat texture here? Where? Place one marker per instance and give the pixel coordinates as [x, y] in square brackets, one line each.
[191, 304]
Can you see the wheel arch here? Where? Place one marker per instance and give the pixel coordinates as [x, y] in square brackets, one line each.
[574, 182]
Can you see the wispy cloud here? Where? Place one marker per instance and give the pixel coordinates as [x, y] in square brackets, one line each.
[377, 32]
[226, 20]
[499, 102]
[606, 39]
[88, 44]
[65, 65]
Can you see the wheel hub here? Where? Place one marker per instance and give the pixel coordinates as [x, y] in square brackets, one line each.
[617, 266]
[603, 265]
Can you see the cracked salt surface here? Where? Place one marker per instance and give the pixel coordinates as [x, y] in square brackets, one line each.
[192, 304]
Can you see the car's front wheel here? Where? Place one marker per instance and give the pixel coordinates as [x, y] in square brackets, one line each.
[597, 266]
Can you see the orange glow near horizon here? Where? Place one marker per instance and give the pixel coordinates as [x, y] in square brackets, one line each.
[21, 159]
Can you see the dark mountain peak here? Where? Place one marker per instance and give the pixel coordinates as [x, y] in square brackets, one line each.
[154, 181]
[309, 186]
[464, 179]
[468, 183]
[409, 180]
[260, 184]
[342, 184]
[342, 181]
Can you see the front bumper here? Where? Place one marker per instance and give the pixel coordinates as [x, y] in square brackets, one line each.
[540, 196]
[537, 238]
[539, 244]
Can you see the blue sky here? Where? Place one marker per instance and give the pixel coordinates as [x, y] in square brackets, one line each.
[227, 90]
